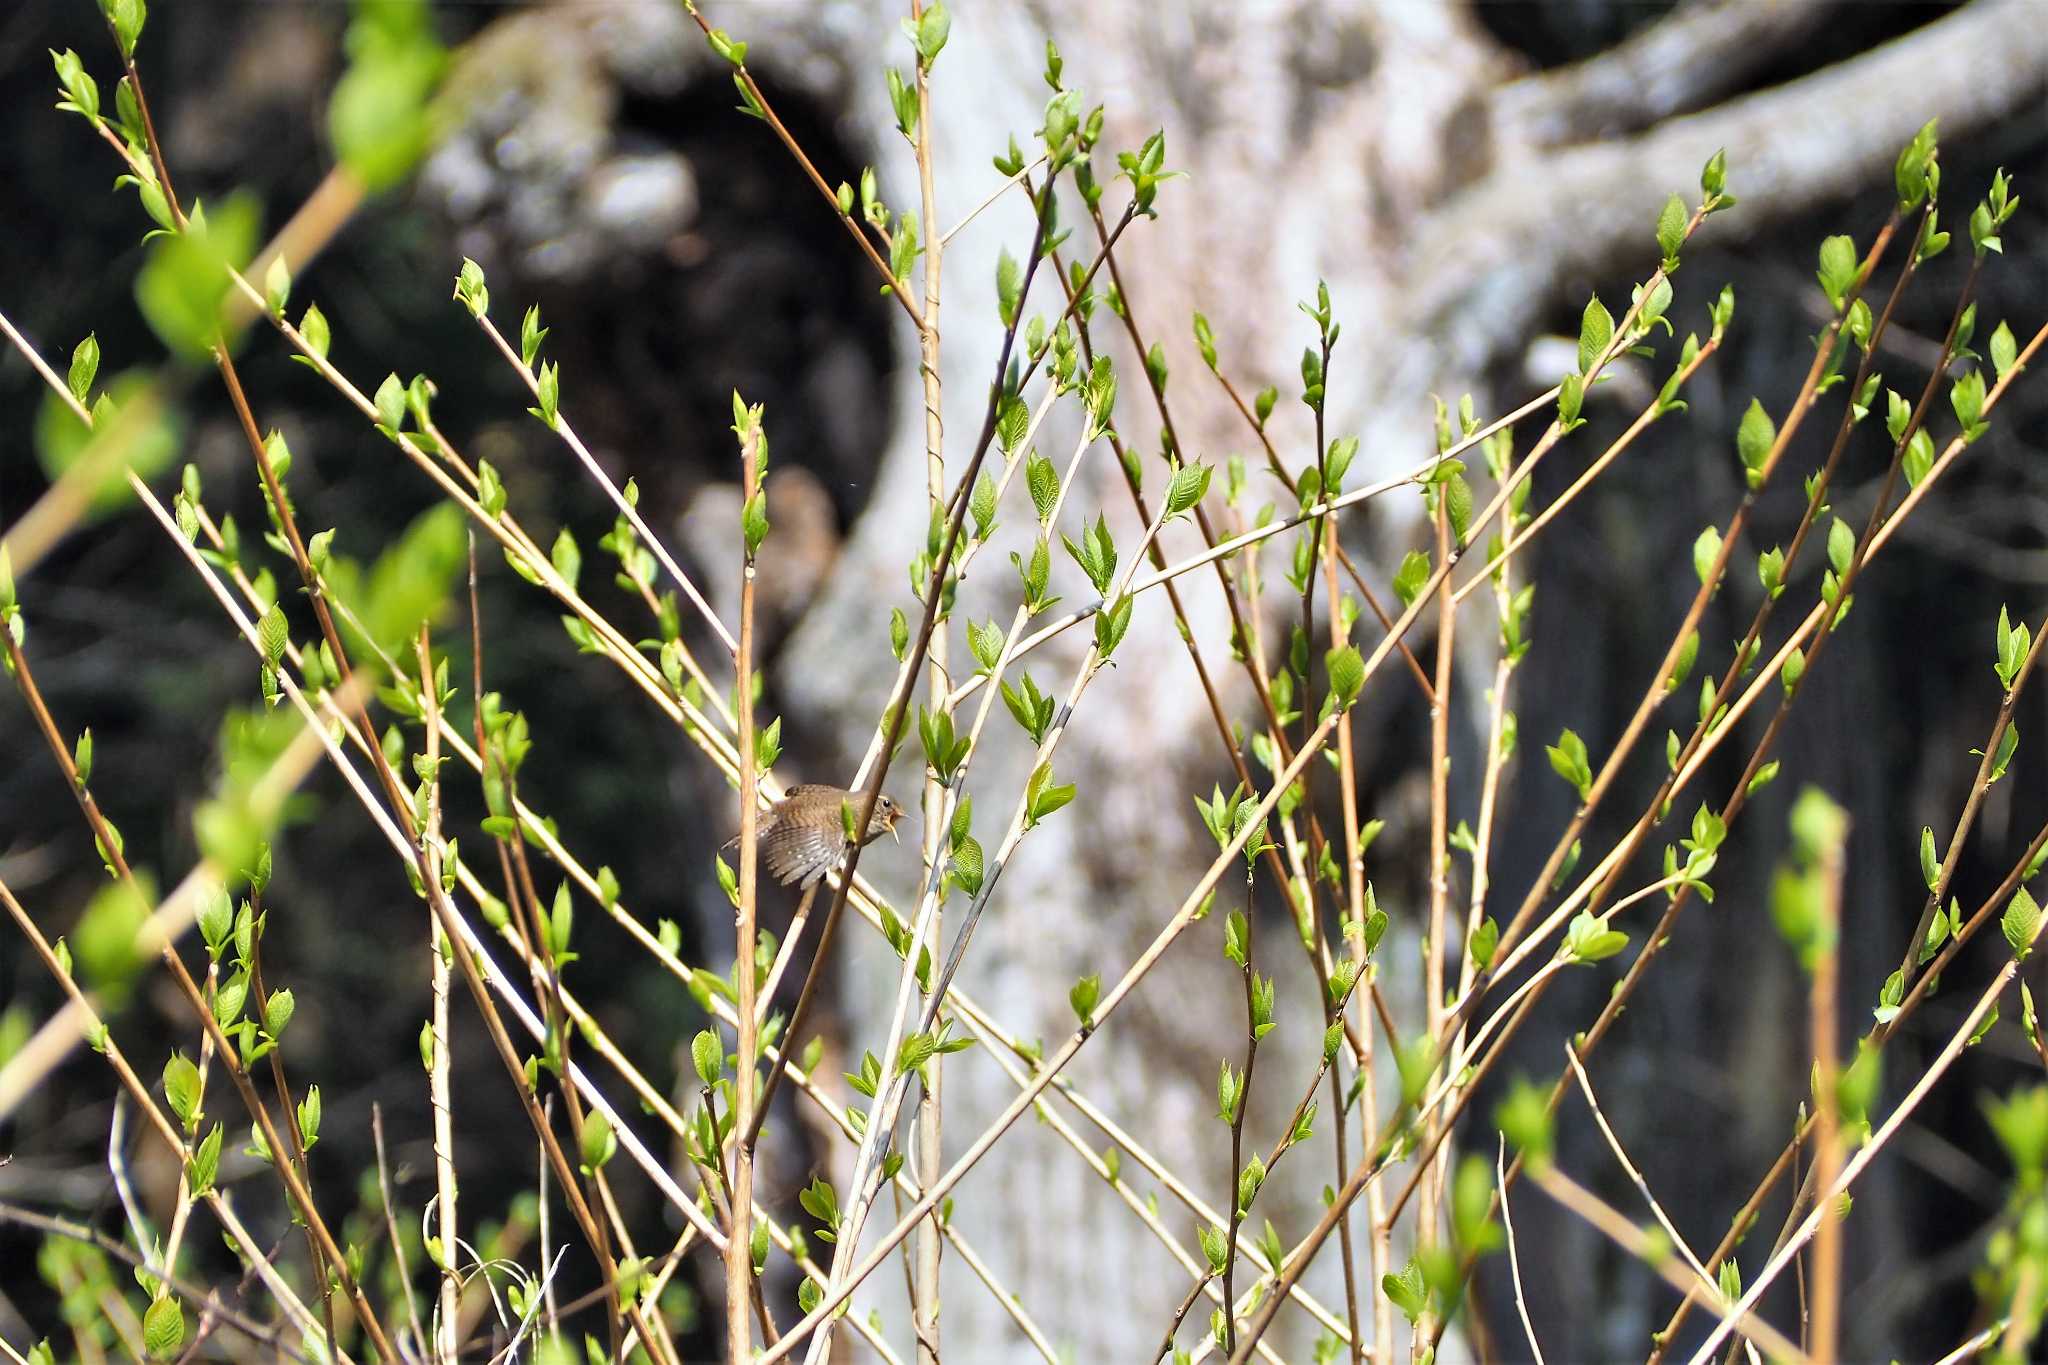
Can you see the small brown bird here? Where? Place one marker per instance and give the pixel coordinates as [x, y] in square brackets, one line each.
[803, 834]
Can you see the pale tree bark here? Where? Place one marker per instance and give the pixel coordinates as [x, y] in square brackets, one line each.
[1393, 151]
[1400, 154]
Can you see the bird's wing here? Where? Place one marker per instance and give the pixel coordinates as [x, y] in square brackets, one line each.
[796, 855]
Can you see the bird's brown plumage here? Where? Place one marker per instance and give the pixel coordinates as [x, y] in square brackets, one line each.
[803, 834]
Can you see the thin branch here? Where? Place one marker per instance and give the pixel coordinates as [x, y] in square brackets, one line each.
[412, 1310]
[739, 1256]
[1500, 1176]
[1631, 1238]
[1016, 1109]
[625, 505]
[1826, 1289]
[1635, 1176]
[269, 1338]
[998, 192]
[1824, 1206]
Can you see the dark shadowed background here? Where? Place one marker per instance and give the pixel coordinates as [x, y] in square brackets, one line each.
[678, 256]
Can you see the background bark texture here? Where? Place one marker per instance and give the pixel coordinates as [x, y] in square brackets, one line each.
[1462, 177]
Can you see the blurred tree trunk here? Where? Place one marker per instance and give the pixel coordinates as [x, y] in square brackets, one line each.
[1401, 154]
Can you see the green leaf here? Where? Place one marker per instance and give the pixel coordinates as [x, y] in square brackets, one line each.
[531, 335]
[768, 744]
[566, 557]
[985, 642]
[1480, 944]
[1897, 413]
[309, 1117]
[274, 634]
[127, 17]
[1205, 341]
[1523, 1118]
[1406, 1291]
[1096, 553]
[1688, 654]
[869, 1078]
[1471, 1198]
[277, 1012]
[1458, 506]
[1568, 760]
[163, 1328]
[548, 385]
[1571, 396]
[180, 287]
[968, 865]
[85, 366]
[1236, 937]
[1794, 670]
[1032, 710]
[599, 1142]
[1856, 1088]
[1410, 577]
[983, 506]
[1714, 175]
[182, 1089]
[1983, 236]
[754, 522]
[230, 998]
[1215, 1247]
[1753, 439]
[1262, 404]
[1588, 940]
[1705, 550]
[707, 1054]
[1838, 269]
[203, 1168]
[1671, 223]
[1189, 485]
[469, 287]
[727, 47]
[929, 31]
[1111, 623]
[1918, 461]
[1770, 570]
[1841, 546]
[1966, 397]
[1009, 288]
[1596, 330]
[2004, 350]
[313, 330]
[379, 117]
[390, 403]
[1930, 863]
[820, 1201]
[1910, 174]
[1044, 482]
[2020, 1122]
[1347, 674]
[1041, 797]
[2021, 921]
[81, 90]
[81, 756]
[277, 286]
[1248, 1182]
[1084, 996]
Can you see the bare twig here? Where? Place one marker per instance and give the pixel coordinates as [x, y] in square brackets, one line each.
[412, 1310]
[1500, 1176]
